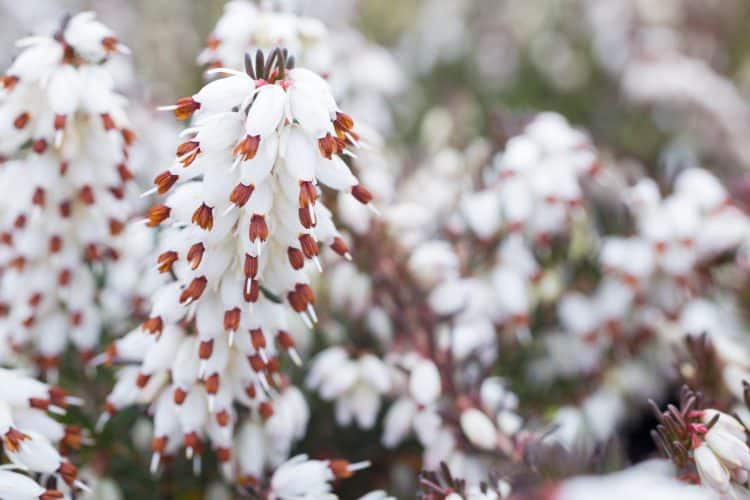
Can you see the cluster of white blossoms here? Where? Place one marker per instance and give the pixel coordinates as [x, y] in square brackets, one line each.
[33, 441]
[653, 282]
[64, 142]
[363, 77]
[356, 384]
[242, 226]
[465, 429]
[721, 454]
[534, 196]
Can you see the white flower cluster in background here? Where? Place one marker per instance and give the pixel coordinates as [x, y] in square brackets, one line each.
[65, 140]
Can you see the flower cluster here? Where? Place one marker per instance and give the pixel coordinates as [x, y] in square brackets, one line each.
[34, 442]
[707, 442]
[243, 219]
[64, 144]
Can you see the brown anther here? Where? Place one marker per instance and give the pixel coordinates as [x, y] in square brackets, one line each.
[39, 403]
[194, 442]
[128, 136]
[115, 227]
[257, 338]
[35, 299]
[110, 408]
[212, 383]
[343, 121]
[76, 318]
[285, 339]
[6, 238]
[39, 146]
[59, 122]
[249, 481]
[232, 319]
[164, 181]
[240, 194]
[92, 252]
[142, 380]
[18, 262]
[179, 396]
[159, 444]
[223, 455]
[12, 439]
[20, 222]
[38, 197]
[247, 148]
[307, 194]
[256, 362]
[58, 395]
[340, 468]
[254, 293]
[166, 259]
[125, 173]
[186, 147]
[296, 257]
[107, 122]
[63, 277]
[251, 266]
[203, 217]
[55, 244]
[8, 81]
[153, 325]
[65, 208]
[273, 365]
[64, 167]
[258, 228]
[340, 247]
[186, 107]
[195, 255]
[205, 349]
[157, 214]
[306, 292]
[328, 146]
[110, 43]
[86, 195]
[194, 290]
[265, 409]
[309, 245]
[251, 391]
[361, 194]
[22, 120]
[305, 218]
[73, 436]
[68, 472]
[222, 418]
[51, 495]
[296, 301]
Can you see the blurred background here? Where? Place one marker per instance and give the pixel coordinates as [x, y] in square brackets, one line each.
[658, 84]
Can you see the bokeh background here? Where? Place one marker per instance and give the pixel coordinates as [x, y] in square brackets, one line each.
[657, 83]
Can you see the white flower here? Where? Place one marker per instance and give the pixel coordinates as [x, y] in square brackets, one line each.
[479, 429]
[301, 477]
[355, 384]
[424, 382]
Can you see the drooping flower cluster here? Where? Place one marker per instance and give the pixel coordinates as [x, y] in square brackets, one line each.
[33, 441]
[243, 219]
[64, 140]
